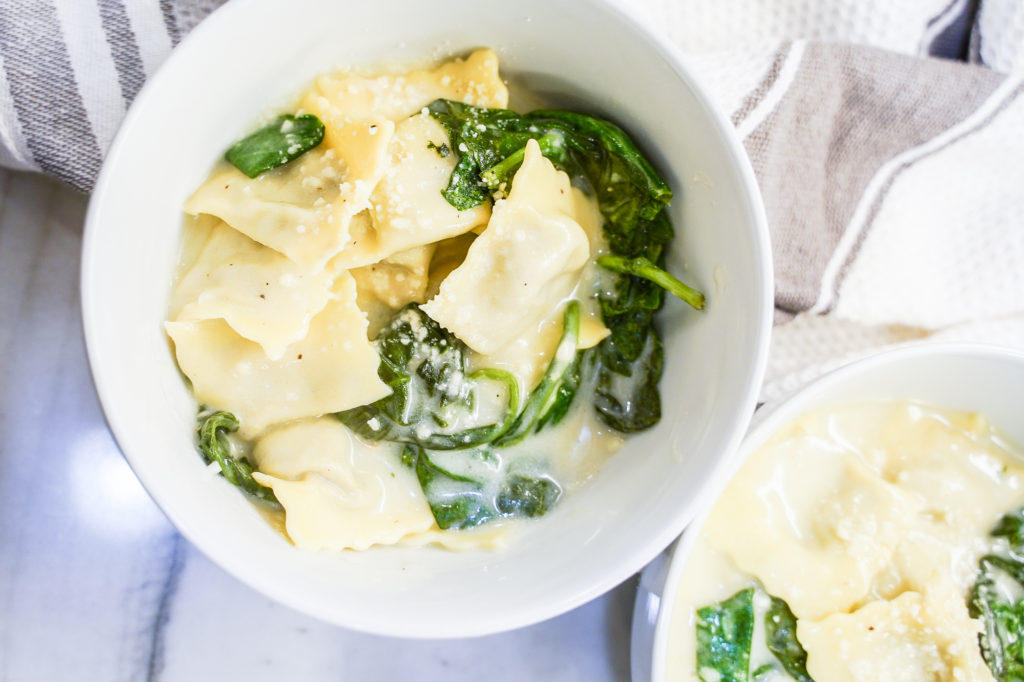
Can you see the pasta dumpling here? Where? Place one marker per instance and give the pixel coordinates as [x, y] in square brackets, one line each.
[473, 80]
[407, 208]
[303, 209]
[522, 266]
[916, 637]
[333, 368]
[396, 280]
[339, 494]
[817, 539]
[262, 295]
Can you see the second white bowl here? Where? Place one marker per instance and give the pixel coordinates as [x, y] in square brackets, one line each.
[970, 378]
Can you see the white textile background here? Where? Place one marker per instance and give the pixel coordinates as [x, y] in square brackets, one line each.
[943, 259]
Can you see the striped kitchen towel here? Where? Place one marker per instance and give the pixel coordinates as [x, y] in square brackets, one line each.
[887, 137]
[69, 69]
[888, 141]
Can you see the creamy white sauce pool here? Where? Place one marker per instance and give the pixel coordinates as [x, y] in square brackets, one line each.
[285, 278]
[868, 519]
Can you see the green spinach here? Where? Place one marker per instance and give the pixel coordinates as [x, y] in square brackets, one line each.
[284, 139]
[645, 269]
[550, 401]
[213, 443]
[525, 496]
[631, 196]
[474, 488]
[426, 367]
[725, 635]
[457, 501]
[627, 367]
[1002, 636]
[780, 636]
[725, 631]
[591, 150]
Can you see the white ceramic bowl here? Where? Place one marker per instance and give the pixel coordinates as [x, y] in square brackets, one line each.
[976, 378]
[253, 53]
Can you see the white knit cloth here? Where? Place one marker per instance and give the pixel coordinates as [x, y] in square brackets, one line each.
[934, 246]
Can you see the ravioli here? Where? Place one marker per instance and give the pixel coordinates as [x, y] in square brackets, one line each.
[916, 637]
[473, 80]
[333, 368]
[522, 267]
[395, 281]
[340, 493]
[304, 209]
[820, 530]
[262, 295]
[407, 208]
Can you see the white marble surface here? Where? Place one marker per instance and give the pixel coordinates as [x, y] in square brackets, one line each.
[94, 582]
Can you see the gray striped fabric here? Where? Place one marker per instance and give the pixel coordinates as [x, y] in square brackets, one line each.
[123, 46]
[69, 70]
[846, 113]
[50, 116]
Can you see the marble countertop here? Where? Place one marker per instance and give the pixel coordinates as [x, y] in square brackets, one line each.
[94, 582]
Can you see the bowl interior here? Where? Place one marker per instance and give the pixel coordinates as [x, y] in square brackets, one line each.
[957, 377]
[215, 86]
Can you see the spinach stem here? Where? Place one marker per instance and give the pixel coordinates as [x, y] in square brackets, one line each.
[546, 393]
[644, 268]
[506, 168]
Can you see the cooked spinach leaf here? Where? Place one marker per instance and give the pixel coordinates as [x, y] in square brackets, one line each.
[284, 139]
[627, 186]
[568, 385]
[631, 195]
[1002, 616]
[725, 635]
[471, 487]
[550, 401]
[629, 362]
[626, 393]
[642, 267]
[426, 367]
[551, 145]
[725, 631]
[600, 153]
[1002, 637]
[524, 496]
[780, 636]
[1011, 528]
[483, 137]
[214, 445]
[456, 501]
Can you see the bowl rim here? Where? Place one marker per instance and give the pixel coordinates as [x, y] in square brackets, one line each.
[761, 331]
[660, 580]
